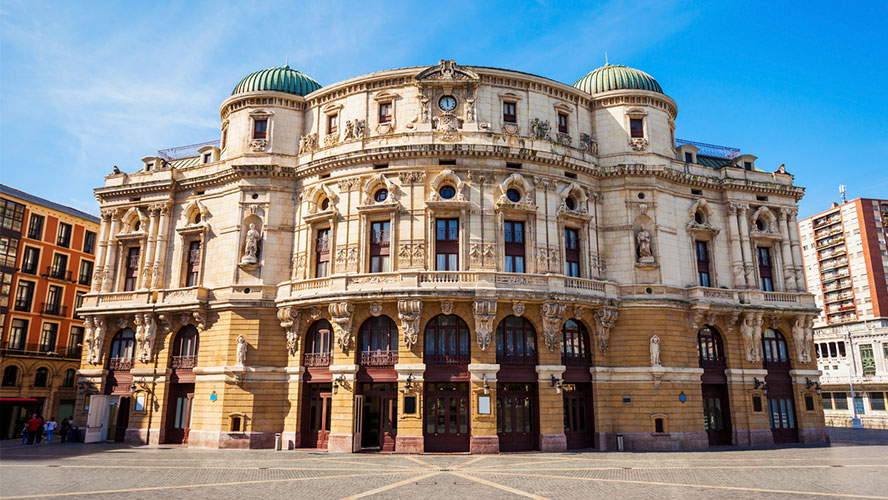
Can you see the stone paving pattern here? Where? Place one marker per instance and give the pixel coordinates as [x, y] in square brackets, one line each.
[854, 467]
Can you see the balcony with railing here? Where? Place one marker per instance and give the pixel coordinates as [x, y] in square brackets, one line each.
[830, 242]
[54, 309]
[446, 359]
[574, 359]
[48, 350]
[120, 364]
[832, 219]
[183, 362]
[57, 273]
[318, 359]
[379, 358]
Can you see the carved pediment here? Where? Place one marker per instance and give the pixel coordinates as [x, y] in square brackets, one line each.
[447, 71]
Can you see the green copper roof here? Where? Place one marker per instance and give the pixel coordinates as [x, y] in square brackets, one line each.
[615, 77]
[284, 79]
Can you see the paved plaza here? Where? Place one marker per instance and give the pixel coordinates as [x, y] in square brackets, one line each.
[856, 466]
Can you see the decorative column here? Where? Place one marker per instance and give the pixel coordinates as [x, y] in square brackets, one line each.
[344, 371]
[795, 243]
[146, 275]
[111, 252]
[160, 247]
[98, 272]
[736, 252]
[748, 269]
[789, 281]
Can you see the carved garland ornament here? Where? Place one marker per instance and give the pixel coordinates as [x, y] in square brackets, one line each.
[484, 312]
[604, 321]
[553, 317]
[409, 312]
[289, 318]
[341, 313]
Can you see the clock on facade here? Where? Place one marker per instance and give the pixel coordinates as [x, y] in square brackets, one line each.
[447, 103]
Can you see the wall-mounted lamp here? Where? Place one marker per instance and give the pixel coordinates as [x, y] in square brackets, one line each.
[556, 383]
[338, 382]
[812, 383]
[408, 384]
[86, 387]
[484, 384]
[140, 385]
[759, 384]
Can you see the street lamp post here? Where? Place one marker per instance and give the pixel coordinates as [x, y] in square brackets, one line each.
[855, 420]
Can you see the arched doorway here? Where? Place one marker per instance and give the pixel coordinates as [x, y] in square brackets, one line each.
[781, 401]
[714, 385]
[317, 410]
[118, 384]
[180, 397]
[446, 355]
[378, 384]
[517, 421]
[576, 356]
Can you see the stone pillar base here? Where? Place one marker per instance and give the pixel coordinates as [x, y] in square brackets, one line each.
[409, 444]
[754, 437]
[667, 441]
[553, 442]
[340, 443]
[484, 444]
[291, 440]
[818, 435]
[601, 441]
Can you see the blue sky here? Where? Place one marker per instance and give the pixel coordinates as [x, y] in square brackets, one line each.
[88, 85]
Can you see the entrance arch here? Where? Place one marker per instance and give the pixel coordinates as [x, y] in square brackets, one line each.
[714, 386]
[317, 407]
[517, 415]
[781, 400]
[378, 385]
[117, 385]
[576, 356]
[447, 421]
[180, 398]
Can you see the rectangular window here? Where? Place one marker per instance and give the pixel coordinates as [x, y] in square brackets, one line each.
[509, 115]
[12, 215]
[572, 252]
[75, 341]
[24, 296]
[827, 401]
[513, 236]
[64, 237]
[689, 157]
[380, 232]
[842, 349]
[747, 165]
[207, 157]
[31, 260]
[53, 303]
[636, 127]
[35, 227]
[877, 401]
[385, 112]
[86, 272]
[447, 244]
[18, 334]
[702, 250]
[192, 264]
[8, 251]
[260, 129]
[840, 400]
[59, 269]
[562, 123]
[89, 242]
[78, 303]
[333, 124]
[765, 271]
[322, 253]
[867, 361]
[48, 337]
[131, 269]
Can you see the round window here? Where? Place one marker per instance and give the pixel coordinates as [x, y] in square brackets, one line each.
[137, 225]
[447, 192]
[640, 196]
[381, 195]
[325, 204]
[570, 203]
[760, 225]
[196, 219]
[513, 195]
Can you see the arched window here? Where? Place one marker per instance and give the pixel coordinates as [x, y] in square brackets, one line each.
[574, 344]
[319, 344]
[10, 376]
[68, 381]
[774, 347]
[379, 342]
[515, 342]
[122, 349]
[710, 349]
[185, 348]
[41, 377]
[447, 341]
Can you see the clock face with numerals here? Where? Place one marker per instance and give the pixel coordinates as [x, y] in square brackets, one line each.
[447, 103]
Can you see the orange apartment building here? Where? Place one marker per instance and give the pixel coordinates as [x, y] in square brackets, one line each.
[47, 260]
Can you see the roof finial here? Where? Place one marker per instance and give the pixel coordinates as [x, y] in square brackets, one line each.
[287, 65]
[605, 59]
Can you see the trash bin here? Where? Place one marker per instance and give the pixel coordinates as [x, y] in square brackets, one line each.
[277, 441]
[619, 442]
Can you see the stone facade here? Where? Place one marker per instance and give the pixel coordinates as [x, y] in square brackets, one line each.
[506, 245]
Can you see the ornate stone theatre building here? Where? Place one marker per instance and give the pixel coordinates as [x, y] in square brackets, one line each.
[450, 258]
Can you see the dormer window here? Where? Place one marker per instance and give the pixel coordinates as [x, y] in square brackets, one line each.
[207, 157]
[149, 166]
[636, 127]
[260, 128]
[509, 113]
[689, 157]
[333, 123]
[562, 123]
[747, 165]
[385, 112]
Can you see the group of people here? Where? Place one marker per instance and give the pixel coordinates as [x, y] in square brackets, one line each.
[35, 428]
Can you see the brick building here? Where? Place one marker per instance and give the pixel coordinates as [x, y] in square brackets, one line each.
[450, 258]
[846, 266]
[48, 254]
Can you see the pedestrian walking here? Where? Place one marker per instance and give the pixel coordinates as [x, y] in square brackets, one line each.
[63, 429]
[32, 426]
[50, 427]
[39, 436]
[25, 433]
[72, 431]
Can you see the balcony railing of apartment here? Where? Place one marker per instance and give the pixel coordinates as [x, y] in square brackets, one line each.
[58, 273]
[574, 360]
[832, 253]
[316, 359]
[446, 359]
[123, 364]
[41, 350]
[379, 358]
[829, 220]
[828, 232]
[183, 362]
[830, 242]
[54, 309]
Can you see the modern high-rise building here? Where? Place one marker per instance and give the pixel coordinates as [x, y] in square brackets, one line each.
[47, 258]
[846, 267]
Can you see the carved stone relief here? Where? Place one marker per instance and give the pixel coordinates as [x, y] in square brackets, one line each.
[411, 254]
[447, 307]
[308, 143]
[289, 318]
[484, 312]
[750, 331]
[553, 318]
[638, 143]
[547, 260]
[258, 145]
[341, 313]
[605, 319]
[482, 255]
[409, 312]
[375, 309]
[518, 308]
[655, 351]
[539, 129]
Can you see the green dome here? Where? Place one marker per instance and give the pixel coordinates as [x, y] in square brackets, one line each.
[616, 77]
[284, 79]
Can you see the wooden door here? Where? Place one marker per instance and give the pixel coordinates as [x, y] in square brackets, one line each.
[359, 423]
[447, 417]
[516, 417]
[717, 414]
[388, 423]
[179, 409]
[317, 421]
[123, 410]
[578, 422]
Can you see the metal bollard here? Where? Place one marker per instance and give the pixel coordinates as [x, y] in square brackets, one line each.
[277, 441]
[619, 442]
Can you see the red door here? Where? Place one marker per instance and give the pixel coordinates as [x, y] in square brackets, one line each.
[516, 417]
[388, 423]
[447, 417]
[578, 424]
[319, 412]
[179, 413]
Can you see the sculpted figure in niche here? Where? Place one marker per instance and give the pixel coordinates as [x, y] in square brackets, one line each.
[655, 351]
[241, 350]
[251, 246]
[643, 241]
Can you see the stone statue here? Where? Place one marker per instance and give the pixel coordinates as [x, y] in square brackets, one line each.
[643, 241]
[241, 351]
[98, 340]
[251, 247]
[149, 332]
[655, 351]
